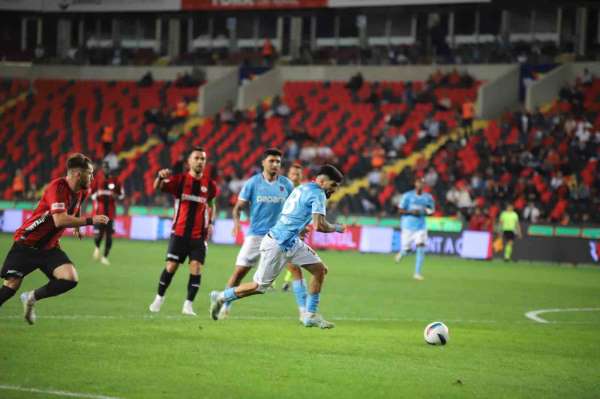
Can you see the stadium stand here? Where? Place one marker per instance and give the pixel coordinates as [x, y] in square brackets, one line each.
[70, 115]
[325, 121]
[545, 163]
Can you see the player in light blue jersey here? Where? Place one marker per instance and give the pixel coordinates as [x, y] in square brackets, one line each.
[282, 245]
[265, 194]
[414, 206]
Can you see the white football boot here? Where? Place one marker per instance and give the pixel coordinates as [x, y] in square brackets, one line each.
[156, 304]
[316, 320]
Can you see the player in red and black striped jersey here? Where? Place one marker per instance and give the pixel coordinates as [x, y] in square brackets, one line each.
[106, 190]
[195, 209]
[36, 241]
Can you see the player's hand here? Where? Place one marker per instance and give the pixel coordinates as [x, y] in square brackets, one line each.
[209, 231]
[304, 232]
[164, 173]
[77, 233]
[101, 219]
[236, 230]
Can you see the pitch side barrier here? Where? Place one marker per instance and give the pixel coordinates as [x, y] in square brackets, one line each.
[541, 243]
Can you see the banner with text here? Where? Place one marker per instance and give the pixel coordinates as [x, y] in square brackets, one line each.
[466, 244]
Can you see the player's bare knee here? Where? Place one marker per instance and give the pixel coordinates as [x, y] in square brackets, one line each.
[66, 272]
[171, 267]
[195, 267]
[13, 283]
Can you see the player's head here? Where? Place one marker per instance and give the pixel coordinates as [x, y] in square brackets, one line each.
[329, 178]
[271, 161]
[509, 207]
[197, 160]
[295, 174]
[419, 183]
[80, 168]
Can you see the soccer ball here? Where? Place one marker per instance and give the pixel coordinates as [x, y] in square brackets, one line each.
[436, 333]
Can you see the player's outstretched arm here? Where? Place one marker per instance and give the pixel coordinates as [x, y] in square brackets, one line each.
[62, 220]
[236, 213]
[163, 175]
[321, 224]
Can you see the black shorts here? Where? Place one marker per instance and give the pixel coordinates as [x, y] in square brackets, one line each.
[467, 122]
[101, 228]
[181, 248]
[508, 235]
[22, 260]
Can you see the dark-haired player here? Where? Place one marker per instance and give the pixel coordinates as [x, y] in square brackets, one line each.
[282, 245]
[106, 189]
[264, 193]
[192, 225]
[36, 243]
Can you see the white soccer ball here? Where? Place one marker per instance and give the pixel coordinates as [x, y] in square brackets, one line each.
[436, 333]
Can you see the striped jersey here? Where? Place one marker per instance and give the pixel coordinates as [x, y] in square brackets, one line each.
[192, 211]
[39, 230]
[105, 192]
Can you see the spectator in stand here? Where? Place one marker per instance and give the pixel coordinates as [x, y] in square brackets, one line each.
[181, 112]
[531, 213]
[468, 114]
[107, 138]
[408, 96]
[378, 157]
[268, 52]
[459, 196]
[227, 114]
[236, 184]
[375, 178]
[431, 177]
[147, 80]
[557, 180]
[18, 185]
[280, 108]
[370, 202]
[355, 83]
[587, 78]
[32, 190]
[291, 150]
[479, 221]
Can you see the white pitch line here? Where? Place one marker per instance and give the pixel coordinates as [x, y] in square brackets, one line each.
[55, 392]
[534, 314]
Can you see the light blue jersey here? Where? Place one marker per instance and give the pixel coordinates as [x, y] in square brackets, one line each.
[305, 200]
[412, 201]
[266, 201]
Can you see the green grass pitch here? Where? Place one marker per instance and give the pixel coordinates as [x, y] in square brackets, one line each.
[101, 341]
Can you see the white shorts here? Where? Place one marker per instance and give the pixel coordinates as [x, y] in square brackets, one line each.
[249, 252]
[273, 259]
[412, 237]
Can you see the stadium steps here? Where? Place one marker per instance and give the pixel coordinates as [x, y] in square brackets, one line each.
[13, 101]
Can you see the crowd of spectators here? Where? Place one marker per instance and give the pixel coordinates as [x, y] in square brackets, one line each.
[544, 163]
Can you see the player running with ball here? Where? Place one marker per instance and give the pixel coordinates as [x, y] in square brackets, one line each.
[414, 206]
[282, 245]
